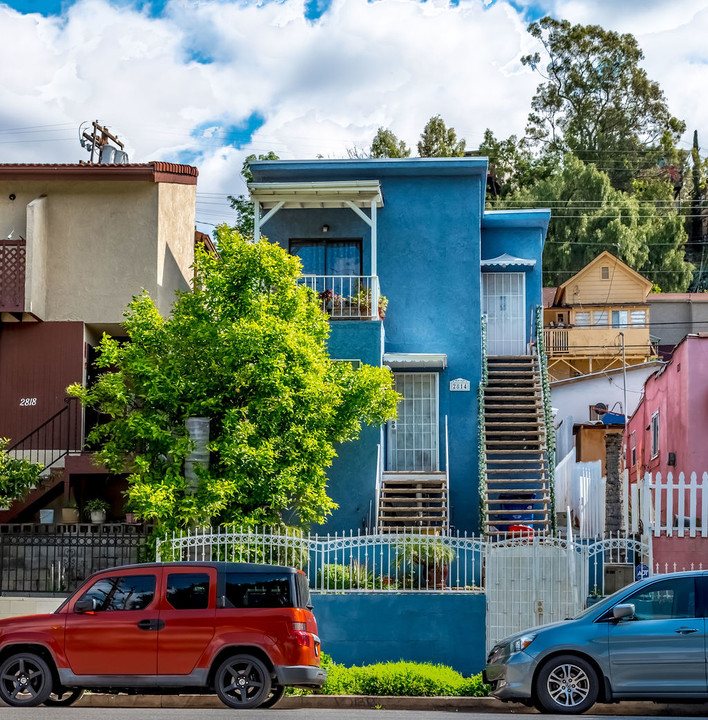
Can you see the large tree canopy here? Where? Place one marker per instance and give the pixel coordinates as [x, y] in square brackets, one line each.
[247, 349]
[597, 102]
[642, 229]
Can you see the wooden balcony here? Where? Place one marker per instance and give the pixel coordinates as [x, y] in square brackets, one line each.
[598, 341]
[12, 275]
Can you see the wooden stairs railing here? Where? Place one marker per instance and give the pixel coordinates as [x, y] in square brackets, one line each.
[517, 487]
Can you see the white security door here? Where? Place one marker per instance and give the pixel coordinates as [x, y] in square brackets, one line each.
[413, 435]
[504, 303]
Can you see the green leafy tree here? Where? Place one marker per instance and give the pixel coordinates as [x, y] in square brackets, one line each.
[243, 204]
[512, 165]
[386, 145]
[17, 476]
[597, 102]
[437, 140]
[247, 349]
[643, 229]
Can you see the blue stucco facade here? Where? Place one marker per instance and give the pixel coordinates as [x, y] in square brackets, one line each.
[432, 236]
[365, 628]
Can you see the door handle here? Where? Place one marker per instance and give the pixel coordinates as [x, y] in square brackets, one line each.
[152, 624]
[686, 630]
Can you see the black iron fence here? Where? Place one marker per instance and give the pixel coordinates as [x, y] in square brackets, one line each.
[44, 559]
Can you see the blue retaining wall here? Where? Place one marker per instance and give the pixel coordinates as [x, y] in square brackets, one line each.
[364, 628]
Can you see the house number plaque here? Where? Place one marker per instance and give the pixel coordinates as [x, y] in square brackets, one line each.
[459, 385]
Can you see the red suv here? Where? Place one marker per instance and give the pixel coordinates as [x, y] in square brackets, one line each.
[244, 631]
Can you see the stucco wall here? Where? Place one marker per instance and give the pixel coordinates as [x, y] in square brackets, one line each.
[673, 315]
[16, 606]
[175, 247]
[36, 258]
[685, 553]
[364, 628]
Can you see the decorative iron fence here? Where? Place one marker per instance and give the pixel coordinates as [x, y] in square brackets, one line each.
[389, 562]
[51, 559]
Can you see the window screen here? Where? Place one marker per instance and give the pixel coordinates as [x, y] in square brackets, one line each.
[258, 590]
[128, 592]
[188, 591]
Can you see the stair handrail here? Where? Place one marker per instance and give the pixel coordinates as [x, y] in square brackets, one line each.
[481, 434]
[542, 360]
[377, 494]
[56, 454]
[447, 477]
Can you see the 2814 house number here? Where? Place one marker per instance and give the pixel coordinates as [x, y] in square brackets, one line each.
[28, 402]
[459, 385]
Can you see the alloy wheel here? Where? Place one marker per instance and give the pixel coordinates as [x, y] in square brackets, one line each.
[25, 680]
[568, 685]
[243, 682]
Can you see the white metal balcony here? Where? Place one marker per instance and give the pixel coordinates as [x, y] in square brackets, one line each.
[347, 297]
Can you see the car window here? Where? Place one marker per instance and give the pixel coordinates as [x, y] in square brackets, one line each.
[127, 592]
[258, 590]
[188, 591]
[674, 598]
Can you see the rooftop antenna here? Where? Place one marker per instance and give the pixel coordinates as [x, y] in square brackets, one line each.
[100, 139]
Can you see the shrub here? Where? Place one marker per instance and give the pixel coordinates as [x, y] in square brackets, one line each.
[344, 577]
[407, 679]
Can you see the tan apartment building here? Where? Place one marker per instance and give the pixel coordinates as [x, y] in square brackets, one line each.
[597, 320]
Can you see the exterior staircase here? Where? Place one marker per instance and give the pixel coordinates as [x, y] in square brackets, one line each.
[413, 500]
[517, 486]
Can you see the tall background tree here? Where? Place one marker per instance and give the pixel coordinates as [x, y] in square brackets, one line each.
[437, 140]
[386, 145]
[597, 102]
[247, 349]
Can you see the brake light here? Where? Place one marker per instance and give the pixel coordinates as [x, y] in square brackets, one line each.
[299, 632]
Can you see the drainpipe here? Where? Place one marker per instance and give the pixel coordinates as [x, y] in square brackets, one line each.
[198, 431]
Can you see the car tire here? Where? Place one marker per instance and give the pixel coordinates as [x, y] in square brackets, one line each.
[566, 685]
[25, 680]
[276, 693]
[64, 697]
[243, 682]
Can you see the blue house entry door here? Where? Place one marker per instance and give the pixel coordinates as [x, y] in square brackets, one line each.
[413, 436]
[505, 307]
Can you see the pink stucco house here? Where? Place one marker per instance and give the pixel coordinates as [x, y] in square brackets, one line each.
[667, 432]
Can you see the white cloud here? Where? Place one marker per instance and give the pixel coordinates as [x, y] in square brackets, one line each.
[320, 87]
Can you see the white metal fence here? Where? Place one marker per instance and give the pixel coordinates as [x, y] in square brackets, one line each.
[346, 296]
[391, 562]
[671, 506]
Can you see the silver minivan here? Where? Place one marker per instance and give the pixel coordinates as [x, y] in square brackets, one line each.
[645, 642]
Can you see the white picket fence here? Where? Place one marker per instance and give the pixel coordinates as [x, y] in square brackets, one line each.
[671, 506]
[580, 491]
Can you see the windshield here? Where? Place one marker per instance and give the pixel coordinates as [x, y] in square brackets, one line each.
[607, 602]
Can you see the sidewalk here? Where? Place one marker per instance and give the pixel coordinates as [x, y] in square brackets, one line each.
[368, 702]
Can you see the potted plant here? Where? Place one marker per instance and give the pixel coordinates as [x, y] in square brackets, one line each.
[428, 556]
[362, 299]
[96, 510]
[70, 512]
[130, 517]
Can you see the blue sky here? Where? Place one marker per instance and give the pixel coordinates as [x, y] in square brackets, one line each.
[211, 81]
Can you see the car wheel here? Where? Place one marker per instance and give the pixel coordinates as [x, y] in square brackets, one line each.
[25, 680]
[566, 684]
[65, 697]
[242, 681]
[276, 693]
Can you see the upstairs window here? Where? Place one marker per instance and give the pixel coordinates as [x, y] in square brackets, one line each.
[582, 319]
[605, 273]
[638, 318]
[328, 257]
[600, 317]
[620, 318]
[655, 435]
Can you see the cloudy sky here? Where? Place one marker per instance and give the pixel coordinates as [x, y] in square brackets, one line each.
[209, 81]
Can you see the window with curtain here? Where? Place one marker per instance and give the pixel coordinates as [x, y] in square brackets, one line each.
[582, 319]
[328, 257]
[600, 317]
[638, 318]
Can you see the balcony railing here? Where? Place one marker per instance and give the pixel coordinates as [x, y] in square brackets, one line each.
[12, 275]
[598, 341]
[346, 297]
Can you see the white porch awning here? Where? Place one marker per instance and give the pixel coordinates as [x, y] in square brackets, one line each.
[298, 195]
[509, 261]
[410, 361]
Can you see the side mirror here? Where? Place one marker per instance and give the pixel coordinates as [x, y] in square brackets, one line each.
[85, 605]
[625, 610]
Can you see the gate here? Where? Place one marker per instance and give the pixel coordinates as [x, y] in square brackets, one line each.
[532, 582]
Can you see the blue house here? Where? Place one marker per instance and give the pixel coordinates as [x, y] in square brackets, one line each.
[406, 261]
